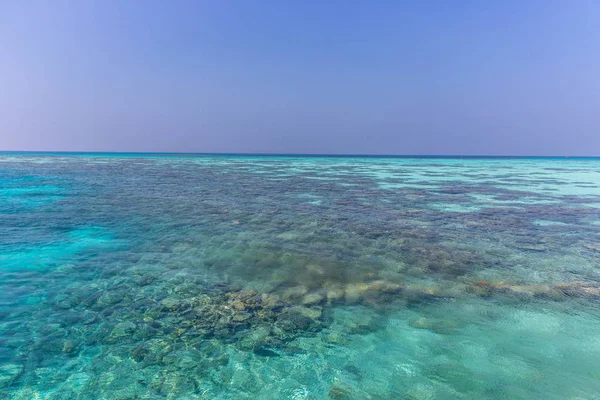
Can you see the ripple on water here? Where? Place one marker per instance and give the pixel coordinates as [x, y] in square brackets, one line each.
[270, 277]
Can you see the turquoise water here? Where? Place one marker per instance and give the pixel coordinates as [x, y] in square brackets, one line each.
[239, 277]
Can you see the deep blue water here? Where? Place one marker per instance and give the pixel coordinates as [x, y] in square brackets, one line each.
[145, 276]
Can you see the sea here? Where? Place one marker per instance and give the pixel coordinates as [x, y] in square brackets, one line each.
[215, 276]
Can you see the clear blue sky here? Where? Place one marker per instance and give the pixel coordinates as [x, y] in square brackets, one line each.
[391, 77]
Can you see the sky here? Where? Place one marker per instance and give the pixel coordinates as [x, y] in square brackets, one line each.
[511, 77]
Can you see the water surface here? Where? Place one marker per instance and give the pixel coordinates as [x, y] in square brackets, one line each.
[264, 277]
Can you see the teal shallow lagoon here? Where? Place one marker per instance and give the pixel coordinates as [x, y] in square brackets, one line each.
[230, 277]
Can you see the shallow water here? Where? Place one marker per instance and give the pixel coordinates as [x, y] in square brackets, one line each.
[237, 277]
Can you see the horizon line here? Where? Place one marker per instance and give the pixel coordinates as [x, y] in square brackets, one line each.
[78, 152]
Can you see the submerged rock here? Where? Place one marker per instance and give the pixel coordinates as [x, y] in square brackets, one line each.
[238, 305]
[171, 304]
[579, 288]
[313, 313]
[335, 337]
[253, 337]
[441, 326]
[69, 346]
[554, 292]
[294, 321]
[355, 291]
[144, 280]
[312, 298]
[340, 391]
[294, 292]
[122, 329]
[110, 298]
[241, 317]
[334, 293]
